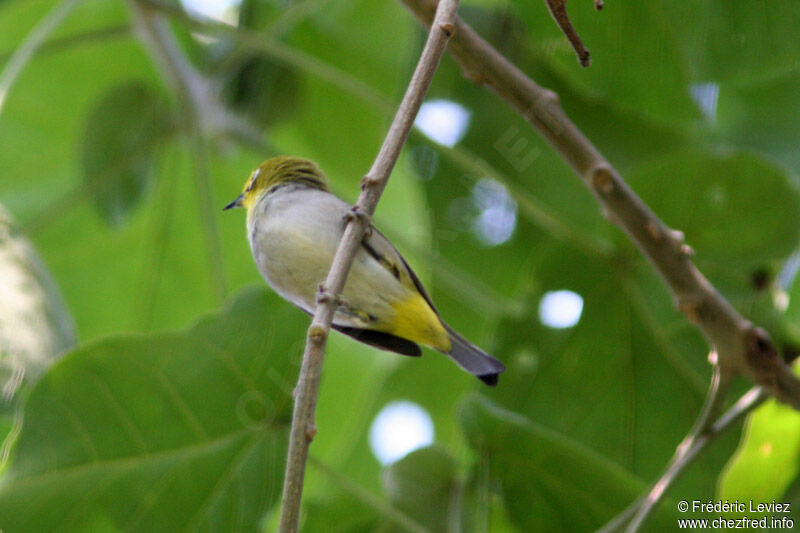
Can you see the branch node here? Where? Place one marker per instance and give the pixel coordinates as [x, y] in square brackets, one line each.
[687, 250]
[311, 432]
[761, 356]
[448, 28]
[323, 296]
[473, 75]
[677, 237]
[603, 180]
[317, 333]
[355, 213]
[368, 182]
[599, 4]
[691, 308]
[547, 98]
[653, 230]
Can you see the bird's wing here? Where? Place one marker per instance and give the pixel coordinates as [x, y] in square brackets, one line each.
[380, 249]
[378, 339]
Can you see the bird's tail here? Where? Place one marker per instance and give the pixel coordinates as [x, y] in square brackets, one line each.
[473, 359]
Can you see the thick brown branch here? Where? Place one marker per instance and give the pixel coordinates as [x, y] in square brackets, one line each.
[742, 348]
[372, 186]
[558, 8]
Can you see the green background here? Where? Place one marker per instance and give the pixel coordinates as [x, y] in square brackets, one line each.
[171, 410]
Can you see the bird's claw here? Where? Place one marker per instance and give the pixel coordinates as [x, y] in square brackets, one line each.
[355, 213]
[324, 296]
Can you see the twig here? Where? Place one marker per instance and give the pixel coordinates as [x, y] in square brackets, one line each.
[203, 115]
[372, 186]
[639, 510]
[195, 92]
[558, 8]
[742, 347]
[57, 44]
[25, 51]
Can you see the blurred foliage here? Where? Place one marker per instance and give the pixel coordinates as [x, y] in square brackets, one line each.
[35, 327]
[144, 425]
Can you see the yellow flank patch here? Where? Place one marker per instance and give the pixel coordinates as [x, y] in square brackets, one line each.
[417, 322]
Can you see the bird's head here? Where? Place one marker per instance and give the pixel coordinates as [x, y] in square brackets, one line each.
[279, 171]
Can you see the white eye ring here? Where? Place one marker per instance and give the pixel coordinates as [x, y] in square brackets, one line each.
[256, 172]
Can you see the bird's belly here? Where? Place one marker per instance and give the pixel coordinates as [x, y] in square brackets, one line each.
[295, 259]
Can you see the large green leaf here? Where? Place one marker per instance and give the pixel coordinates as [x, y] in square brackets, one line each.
[425, 486]
[736, 209]
[557, 484]
[161, 432]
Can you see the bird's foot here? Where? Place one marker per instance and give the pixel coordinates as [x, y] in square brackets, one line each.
[324, 296]
[356, 214]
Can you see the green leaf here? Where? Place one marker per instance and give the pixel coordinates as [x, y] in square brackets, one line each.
[261, 89]
[763, 115]
[557, 484]
[768, 457]
[734, 208]
[424, 485]
[35, 325]
[120, 140]
[735, 40]
[161, 432]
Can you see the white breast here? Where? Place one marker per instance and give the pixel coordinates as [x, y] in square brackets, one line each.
[293, 243]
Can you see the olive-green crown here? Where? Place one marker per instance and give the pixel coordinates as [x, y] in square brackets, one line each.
[282, 169]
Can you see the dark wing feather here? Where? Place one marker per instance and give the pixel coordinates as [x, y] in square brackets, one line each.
[379, 339]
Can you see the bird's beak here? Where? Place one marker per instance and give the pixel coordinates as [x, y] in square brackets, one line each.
[236, 203]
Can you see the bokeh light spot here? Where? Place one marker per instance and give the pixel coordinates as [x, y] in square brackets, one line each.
[560, 309]
[400, 428]
[443, 121]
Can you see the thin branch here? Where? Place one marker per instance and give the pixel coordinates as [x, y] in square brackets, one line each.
[58, 44]
[558, 8]
[203, 114]
[35, 39]
[639, 510]
[742, 347]
[372, 186]
[195, 92]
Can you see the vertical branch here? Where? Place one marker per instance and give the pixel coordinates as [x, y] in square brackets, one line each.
[372, 186]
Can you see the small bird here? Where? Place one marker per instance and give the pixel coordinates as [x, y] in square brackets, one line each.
[294, 225]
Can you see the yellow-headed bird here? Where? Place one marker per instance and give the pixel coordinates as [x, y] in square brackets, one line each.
[294, 225]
